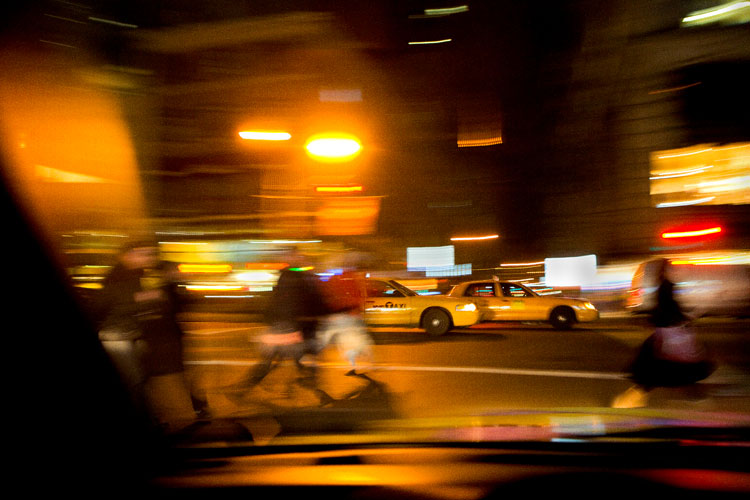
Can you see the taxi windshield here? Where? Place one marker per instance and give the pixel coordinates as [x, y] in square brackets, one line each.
[549, 201]
[405, 290]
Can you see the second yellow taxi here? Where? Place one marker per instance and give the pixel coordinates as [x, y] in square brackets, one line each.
[509, 301]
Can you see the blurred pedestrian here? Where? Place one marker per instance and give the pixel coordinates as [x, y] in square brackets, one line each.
[345, 326]
[672, 356]
[139, 330]
[292, 319]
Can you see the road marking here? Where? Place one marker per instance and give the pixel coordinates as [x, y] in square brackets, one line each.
[447, 369]
[509, 371]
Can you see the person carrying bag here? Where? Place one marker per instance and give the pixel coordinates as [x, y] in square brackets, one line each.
[672, 356]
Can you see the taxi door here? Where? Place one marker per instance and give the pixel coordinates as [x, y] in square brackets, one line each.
[385, 304]
[499, 301]
[519, 303]
[489, 299]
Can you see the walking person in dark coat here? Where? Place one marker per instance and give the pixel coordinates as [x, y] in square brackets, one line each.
[672, 356]
[292, 316]
[139, 330]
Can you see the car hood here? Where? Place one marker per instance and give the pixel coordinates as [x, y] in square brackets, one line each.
[539, 426]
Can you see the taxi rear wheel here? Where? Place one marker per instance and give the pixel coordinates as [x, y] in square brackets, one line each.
[562, 318]
[436, 322]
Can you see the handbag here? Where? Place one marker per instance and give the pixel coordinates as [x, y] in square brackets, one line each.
[678, 343]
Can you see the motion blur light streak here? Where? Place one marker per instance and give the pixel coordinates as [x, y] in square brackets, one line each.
[338, 189]
[204, 268]
[522, 264]
[674, 89]
[214, 288]
[737, 12]
[475, 238]
[685, 202]
[469, 143]
[691, 234]
[446, 11]
[681, 173]
[688, 153]
[432, 42]
[253, 135]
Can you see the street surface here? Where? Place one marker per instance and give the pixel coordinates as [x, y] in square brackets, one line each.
[484, 369]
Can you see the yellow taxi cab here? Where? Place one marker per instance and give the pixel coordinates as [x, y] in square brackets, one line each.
[509, 301]
[389, 303]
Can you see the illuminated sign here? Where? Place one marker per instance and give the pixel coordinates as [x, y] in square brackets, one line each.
[424, 258]
[348, 215]
[705, 174]
[570, 271]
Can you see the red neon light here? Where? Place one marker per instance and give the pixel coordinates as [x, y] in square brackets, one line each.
[691, 234]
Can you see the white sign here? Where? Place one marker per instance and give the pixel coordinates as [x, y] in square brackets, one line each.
[570, 271]
[422, 258]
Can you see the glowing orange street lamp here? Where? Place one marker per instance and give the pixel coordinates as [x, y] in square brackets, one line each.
[333, 147]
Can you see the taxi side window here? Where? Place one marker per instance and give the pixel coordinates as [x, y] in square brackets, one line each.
[510, 290]
[380, 289]
[480, 290]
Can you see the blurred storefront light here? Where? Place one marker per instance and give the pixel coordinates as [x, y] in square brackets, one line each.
[704, 174]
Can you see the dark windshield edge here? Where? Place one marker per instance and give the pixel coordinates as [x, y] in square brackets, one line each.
[406, 290]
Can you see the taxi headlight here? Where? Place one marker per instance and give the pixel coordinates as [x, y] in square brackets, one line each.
[466, 307]
[589, 305]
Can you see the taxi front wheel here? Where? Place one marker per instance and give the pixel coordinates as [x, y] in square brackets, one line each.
[562, 318]
[436, 322]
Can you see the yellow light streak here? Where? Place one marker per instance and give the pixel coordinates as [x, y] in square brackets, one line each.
[338, 189]
[205, 268]
[474, 143]
[703, 262]
[432, 42]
